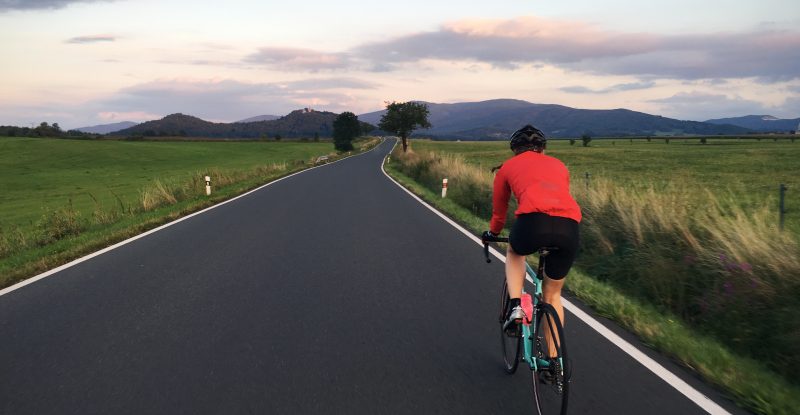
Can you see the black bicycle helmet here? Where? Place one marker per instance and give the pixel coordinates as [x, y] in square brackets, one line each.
[528, 138]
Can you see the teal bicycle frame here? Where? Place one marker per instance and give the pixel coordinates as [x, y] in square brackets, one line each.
[528, 332]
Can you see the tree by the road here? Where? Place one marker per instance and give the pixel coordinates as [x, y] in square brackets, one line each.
[345, 128]
[402, 118]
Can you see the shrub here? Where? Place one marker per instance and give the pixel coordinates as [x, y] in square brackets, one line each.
[60, 223]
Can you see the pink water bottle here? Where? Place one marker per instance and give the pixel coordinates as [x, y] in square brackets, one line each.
[526, 302]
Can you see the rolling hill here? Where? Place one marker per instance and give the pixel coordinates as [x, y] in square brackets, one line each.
[495, 119]
[299, 123]
[107, 128]
[259, 118]
[763, 123]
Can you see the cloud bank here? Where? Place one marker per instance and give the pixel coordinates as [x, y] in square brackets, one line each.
[8, 5]
[614, 88]
[229, 100]
[299, 59]
[770, 54]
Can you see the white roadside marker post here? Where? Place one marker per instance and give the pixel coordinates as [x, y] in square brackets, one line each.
[444, 188]
[208, 186]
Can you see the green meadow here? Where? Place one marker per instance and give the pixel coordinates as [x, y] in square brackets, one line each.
[746, 170]
[60, 198]
[38, 175]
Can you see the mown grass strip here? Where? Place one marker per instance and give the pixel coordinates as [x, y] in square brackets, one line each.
[746, 380]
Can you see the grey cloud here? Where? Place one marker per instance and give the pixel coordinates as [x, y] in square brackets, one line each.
[299, 59]
[614, 88]
[7, 5]
[771, 55]
[331, 83]
[92, 39]
[578, 90]
[230, 100]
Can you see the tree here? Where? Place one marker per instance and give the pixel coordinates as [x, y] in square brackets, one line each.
[345, 128]
[586, 138]
[367, 128]
[278, 137]
[402, 118]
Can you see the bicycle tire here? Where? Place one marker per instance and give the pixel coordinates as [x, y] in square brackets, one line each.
[550, 385]
[510, 345]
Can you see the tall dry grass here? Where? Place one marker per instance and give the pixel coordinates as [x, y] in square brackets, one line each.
[696, 254]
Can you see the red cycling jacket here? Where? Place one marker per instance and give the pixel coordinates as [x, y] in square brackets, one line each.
[539, 182]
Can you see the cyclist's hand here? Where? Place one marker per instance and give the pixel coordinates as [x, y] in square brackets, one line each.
[488, 236]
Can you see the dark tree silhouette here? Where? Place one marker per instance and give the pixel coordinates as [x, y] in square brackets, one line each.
[402, 118]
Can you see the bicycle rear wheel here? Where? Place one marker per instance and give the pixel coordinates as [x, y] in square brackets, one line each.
[551, 383]
[510, 344]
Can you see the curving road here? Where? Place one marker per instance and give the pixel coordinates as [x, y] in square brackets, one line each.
[330, 292]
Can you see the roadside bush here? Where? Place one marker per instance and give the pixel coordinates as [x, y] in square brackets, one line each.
[12, 240]
[60, 223]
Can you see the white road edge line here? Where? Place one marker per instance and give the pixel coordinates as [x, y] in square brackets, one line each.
[687, 390]
[166, 225]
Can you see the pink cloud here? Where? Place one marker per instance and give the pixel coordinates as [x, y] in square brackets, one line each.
[303, 59]
[572, 45]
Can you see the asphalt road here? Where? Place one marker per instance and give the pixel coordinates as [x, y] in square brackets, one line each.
[330, 292]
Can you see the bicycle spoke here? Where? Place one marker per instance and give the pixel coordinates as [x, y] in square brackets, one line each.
[550, 383]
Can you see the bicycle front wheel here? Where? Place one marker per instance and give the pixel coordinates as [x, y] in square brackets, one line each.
[509, 342]
[551, 379]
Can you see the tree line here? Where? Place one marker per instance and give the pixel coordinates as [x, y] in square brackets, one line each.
[42, 130]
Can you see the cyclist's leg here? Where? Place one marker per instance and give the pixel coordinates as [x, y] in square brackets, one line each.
[565, 236]
[515, 272]
[551, 294]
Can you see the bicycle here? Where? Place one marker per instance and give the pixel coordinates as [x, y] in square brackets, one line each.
[541, 340]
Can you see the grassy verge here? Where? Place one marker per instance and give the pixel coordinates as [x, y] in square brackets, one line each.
[65, 233]
[748, 381]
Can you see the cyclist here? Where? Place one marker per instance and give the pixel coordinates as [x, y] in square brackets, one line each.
[547, 216]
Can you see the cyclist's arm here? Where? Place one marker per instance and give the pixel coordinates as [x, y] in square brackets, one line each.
[500, 196]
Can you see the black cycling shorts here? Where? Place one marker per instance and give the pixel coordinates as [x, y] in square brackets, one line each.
[532, 231]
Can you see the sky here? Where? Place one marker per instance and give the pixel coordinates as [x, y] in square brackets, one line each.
[87, 62]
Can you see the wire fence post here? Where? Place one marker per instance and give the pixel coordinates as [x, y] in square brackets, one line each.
[782, 208]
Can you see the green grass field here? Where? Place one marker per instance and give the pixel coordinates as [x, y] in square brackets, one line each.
[38, 175]
[751, 171]
[62, 199]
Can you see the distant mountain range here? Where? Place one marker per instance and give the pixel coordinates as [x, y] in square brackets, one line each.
[300, 123]
[485, 120]
[496, 119]
[107, 128]
[259, 118]
[761, 123]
